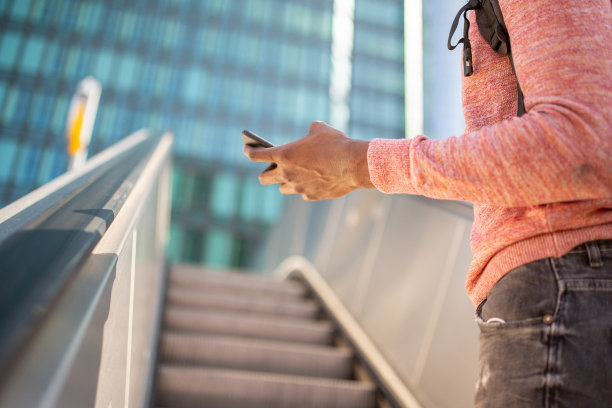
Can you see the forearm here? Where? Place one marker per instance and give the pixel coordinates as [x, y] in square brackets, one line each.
[515, 163]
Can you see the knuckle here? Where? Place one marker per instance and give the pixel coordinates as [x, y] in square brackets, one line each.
[316, 124]
[284, 189]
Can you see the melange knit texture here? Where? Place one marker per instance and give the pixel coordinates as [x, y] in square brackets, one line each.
[541, 184]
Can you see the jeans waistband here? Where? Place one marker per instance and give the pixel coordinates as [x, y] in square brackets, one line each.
[603, 245]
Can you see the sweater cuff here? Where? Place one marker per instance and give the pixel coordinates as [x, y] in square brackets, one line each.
[389, 165]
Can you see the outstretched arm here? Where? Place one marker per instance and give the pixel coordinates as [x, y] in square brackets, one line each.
[561, 150]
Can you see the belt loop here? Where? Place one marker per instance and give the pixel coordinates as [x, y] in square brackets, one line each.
[595, 260]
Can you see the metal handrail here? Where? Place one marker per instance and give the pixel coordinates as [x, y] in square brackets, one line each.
[48, 234]
[390, 383]
[76, 339]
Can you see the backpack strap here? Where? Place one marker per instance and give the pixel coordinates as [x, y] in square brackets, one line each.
[465, 40]
[492, 27]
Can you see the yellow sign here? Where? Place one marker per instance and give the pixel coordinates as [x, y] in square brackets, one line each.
[74, 129]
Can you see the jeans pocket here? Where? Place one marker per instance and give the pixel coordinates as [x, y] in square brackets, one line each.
[498, 321]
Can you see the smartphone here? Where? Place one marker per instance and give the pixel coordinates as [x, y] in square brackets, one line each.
[251, 139]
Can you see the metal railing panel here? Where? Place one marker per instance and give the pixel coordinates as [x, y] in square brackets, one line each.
[386, 377]
[398, 264]
[95, 344]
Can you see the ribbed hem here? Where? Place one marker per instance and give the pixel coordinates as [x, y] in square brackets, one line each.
[389, 165]
[532, 249]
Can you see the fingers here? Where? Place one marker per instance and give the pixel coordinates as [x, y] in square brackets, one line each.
[316, 126]
[271, 175]
[285, 188]
[260, 154]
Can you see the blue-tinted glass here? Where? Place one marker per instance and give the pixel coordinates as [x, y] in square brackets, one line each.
[60, 163]
[8, 50]
[8, 149]
[219, 248]
[2, 93]
[162, 78]
[45, 169]
[37, 11]
[175, 243]
[128, 66]
[62, 14]
[250, 200]
[10, 104]
[224, 195]
[95, 17]
[15, 106]
[3, 10]
[102, 66]
[27, 165]
[18, 192]
[194, 85]
[272, 206]
[71, 63]
[50, 60]
[32, 54]
[128, 22]
[40, 111]
[105, 118]
[60, 115]
[169, 33]
[385, 12]
[88, 17]
[21, 9]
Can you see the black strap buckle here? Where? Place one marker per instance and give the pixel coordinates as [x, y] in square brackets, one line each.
[468, 68]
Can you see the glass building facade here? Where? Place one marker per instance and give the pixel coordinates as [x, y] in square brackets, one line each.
[442, 113]
[204, 70]
[377, 93]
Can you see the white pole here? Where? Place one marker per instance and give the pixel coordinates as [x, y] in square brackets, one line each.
[413, 63]
[341, 68]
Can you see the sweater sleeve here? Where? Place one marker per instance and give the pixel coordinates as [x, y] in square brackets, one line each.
[560, 150]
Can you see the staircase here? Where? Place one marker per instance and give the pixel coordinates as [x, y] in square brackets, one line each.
[234, 340]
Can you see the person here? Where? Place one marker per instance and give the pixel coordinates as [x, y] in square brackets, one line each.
[541, 185]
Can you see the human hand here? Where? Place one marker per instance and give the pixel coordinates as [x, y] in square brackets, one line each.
[323, 164]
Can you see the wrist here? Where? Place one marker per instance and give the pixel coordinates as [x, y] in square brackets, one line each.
[360, 174]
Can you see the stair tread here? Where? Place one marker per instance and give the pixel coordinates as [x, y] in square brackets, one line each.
[188, 386]
[183, 319]
[193, 276]
[207, 298]
[254, 354]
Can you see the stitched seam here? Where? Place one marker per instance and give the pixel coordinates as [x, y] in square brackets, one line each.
[552, 350]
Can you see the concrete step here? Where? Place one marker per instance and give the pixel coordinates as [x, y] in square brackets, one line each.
[183, 387]
[211, 299]
[256, 355]
[195, 277]
[261, 327]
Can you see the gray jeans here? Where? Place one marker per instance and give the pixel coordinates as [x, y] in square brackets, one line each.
[546, 333]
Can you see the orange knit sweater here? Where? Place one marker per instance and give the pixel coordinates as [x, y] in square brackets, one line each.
[542, 183]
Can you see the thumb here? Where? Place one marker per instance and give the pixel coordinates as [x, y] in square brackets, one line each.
[260, 154]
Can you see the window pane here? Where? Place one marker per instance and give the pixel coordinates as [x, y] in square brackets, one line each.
[32, 55]
[224, 195]
[8, 50]
[8, 149]
[219, 248]
[27, 166]
[20, 9]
